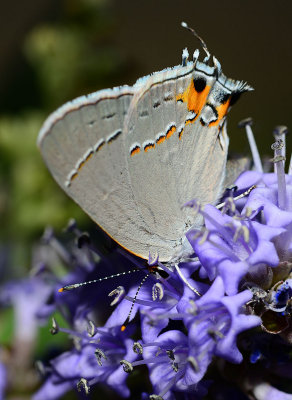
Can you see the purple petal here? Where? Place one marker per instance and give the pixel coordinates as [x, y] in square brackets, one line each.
[247, 179]
[264, 253]
[214, 294]
[52, 391]
[232, 273]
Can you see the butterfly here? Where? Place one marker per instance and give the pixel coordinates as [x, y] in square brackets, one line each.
[132, 156]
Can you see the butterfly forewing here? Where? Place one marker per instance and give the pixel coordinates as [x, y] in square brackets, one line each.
[82, 144]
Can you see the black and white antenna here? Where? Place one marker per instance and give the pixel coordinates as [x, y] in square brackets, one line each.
[203, 44]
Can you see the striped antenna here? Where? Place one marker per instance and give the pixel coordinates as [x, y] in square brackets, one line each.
[78, 285]
[203, 44]
[127, 320]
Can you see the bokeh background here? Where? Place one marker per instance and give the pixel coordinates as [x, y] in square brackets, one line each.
[54, 50]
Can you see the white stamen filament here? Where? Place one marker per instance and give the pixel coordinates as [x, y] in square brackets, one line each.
[282, 192]
[290, 166]
[254, 149]
[280, 133]
[185, 280]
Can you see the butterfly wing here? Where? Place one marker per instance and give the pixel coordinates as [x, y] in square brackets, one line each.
[176, 148]
[132, 156]
[82, 145]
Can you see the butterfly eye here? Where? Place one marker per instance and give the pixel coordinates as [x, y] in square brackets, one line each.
[199, 84]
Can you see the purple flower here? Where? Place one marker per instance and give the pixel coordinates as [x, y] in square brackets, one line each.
[217, 322]
[164, 300]
[228, 307]
[178, 362]
[169, 366]
[95, 358]
[167, 360]
[27, 297]
[233, 244]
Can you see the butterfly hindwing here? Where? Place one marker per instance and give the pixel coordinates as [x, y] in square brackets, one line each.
[177, 154]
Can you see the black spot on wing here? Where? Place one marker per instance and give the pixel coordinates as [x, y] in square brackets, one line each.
[199, 84]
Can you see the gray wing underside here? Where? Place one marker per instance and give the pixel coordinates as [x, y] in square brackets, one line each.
[177, 170]
[82, 144]
[137, 200]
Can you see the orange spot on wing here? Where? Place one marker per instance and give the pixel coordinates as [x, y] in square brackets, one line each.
[149, 147]
[81, 165]
[89, 156]
[136, 150]
[222, 111]
[170, 132]
[74, 176]
[160, 140]
[61, 290]
[123, 328]
[180, 133]
[190, 121]
[100, 146]
[195, 100]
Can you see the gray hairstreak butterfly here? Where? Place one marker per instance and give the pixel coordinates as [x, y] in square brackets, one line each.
[132, 156]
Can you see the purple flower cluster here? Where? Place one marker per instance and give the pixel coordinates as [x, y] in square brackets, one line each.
[217, 324]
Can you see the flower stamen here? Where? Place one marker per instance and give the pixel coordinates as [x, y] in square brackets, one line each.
[91, 328]
[247, 123]
[157, 291]
[278, 158]
[99, 354]
[280, 133]
[137, 348]
[119, 294]
[82, 385]
[185, 281]
[127, 366]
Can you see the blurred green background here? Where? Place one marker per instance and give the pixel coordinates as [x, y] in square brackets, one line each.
[54, 50]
